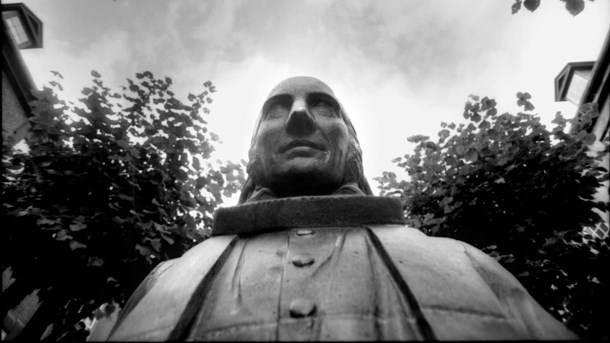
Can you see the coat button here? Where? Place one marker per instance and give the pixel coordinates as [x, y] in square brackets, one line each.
[304, 232]
[300, 308]
[302, 261]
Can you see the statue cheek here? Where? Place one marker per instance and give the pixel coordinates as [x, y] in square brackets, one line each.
[266, 140]
[338, 138]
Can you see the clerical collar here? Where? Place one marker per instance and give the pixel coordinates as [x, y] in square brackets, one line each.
[307, 211]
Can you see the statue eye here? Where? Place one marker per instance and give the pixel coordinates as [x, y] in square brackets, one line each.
[323, 107]
[277, 109]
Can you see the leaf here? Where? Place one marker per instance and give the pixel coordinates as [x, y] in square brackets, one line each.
[431, 145]
[62, 235]
[77, 245]
[169, 240]
[472, 155]
[77, 226]
[417, 138]
[451, 161]
[181, 175]
[56, 73]
[531, 5]
[56, 84]
[201, 182]
[95, 261]
[156, 244]
[484, 125]
[464, 170]
[95, 74]
[125, 197]
[143, 250]
[134, 152]
[47, 221]
[589, 139]
[516, 6]
[574, 6]
[190, 222]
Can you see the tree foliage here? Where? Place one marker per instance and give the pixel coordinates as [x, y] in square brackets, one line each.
[521, 193]
[572, 6]
[109, 188]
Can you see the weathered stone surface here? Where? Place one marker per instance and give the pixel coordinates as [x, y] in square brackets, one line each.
[302, 212]
[300, 308]
[302, 261]
[159, 310]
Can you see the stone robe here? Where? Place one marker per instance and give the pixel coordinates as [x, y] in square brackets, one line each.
[330, 268]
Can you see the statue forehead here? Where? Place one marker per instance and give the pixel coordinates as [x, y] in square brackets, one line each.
[301, 85]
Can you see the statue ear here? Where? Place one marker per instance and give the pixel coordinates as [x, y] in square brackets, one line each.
[353, 163]
[354, 173]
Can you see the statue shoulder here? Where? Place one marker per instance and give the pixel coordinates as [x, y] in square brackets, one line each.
[156, 307]
[437, 267]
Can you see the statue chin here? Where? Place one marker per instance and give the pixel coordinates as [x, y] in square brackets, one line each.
[299, 176]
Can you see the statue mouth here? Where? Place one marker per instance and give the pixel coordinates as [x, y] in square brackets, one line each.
[301, 143]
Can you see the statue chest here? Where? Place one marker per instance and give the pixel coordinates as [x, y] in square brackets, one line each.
[307, 284]
[342, 269]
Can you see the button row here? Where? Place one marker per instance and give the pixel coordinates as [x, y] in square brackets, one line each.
[300, 307]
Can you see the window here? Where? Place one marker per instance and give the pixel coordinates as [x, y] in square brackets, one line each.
[16, 29]
[580, 79]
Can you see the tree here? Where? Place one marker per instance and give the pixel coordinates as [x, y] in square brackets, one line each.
[108, 189]
[572, 6]
[521, 193]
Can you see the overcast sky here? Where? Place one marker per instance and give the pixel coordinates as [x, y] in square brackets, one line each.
[398, 67]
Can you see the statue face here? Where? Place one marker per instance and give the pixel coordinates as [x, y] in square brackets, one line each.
[302, 141]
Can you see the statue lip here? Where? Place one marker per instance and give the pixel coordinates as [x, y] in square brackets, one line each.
[301, 143]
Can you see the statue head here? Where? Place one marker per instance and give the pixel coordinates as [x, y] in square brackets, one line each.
[303, 144]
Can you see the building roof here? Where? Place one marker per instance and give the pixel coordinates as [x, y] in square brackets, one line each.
[598, 88]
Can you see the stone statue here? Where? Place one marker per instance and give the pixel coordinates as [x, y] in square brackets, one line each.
[311, 254]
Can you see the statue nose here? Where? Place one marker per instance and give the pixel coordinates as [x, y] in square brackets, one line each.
[300, 122]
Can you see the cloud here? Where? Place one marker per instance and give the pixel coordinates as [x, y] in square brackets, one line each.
[104, 55]
[399, 67]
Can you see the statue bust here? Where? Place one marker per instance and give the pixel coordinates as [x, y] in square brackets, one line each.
[310, 254]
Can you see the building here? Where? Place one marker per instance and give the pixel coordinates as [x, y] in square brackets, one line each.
[589, 82]
[21, 29]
